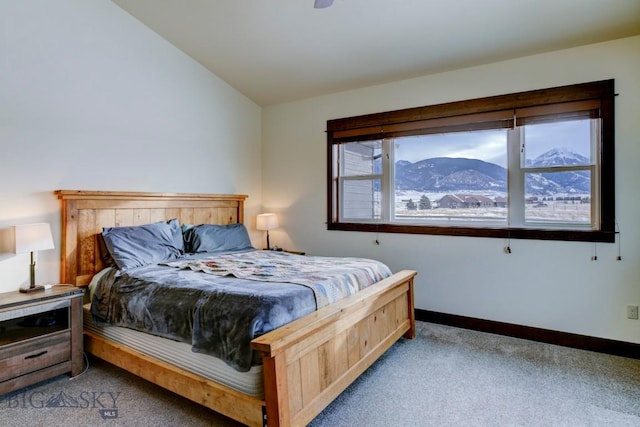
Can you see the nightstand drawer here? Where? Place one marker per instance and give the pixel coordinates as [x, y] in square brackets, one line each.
[34, 354]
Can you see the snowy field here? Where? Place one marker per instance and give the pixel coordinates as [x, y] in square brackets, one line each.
[565, 211]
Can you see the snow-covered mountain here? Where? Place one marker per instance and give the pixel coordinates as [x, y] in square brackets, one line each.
[444, 174]
[559, 157]
[568, 182]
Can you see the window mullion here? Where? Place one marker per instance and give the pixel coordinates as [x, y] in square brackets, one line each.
[515, 186]
[596, 137]
[388, 172]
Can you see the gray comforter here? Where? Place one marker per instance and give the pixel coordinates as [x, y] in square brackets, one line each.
[216, 315]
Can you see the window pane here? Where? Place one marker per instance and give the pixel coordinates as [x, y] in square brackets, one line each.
[361, 158]
[361, 199]
[566, 143]
[547, 201]
[460, 176]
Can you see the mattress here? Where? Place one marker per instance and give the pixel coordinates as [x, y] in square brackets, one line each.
[179, 354]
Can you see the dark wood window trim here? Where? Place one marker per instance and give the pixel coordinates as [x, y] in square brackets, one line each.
[453, 115]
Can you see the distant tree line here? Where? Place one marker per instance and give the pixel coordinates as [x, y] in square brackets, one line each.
[423, 204]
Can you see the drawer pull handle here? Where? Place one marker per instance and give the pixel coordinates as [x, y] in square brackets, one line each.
[33, 356]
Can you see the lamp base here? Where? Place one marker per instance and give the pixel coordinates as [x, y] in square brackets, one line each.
[32, 289]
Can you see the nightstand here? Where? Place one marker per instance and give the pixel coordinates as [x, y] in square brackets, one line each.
[40, 336]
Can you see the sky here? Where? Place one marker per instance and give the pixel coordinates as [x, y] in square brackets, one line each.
[491, 145]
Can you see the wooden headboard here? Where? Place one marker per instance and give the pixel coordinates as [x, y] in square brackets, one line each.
[85, 213]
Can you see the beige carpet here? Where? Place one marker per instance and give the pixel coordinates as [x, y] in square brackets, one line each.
[445, 377]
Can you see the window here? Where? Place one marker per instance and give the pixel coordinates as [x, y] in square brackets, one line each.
[534, 164]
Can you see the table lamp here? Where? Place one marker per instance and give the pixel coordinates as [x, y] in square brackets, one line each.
[267, 221]
[32, 238]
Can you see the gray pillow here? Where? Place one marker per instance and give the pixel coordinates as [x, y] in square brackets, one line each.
[140, 245]
[211, 238]
[176, 230]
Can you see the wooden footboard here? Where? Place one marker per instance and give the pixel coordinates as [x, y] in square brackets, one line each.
[309, 362]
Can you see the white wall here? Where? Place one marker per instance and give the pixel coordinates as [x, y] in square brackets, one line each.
[92, 99]
[551, 285]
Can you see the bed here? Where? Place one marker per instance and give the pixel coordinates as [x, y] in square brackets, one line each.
[306, 363]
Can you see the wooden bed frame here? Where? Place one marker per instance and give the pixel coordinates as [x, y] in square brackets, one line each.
[306, 363]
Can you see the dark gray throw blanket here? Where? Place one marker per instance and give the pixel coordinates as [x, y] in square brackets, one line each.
[216, 315]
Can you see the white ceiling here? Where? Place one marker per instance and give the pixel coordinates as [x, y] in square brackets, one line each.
[275, 51]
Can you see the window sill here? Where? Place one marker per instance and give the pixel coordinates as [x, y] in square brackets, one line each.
[510, 233]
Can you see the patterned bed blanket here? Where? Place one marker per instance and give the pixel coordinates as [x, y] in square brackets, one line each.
[246, 294]
[329, 280]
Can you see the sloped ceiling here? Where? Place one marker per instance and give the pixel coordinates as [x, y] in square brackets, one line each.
[276, 51]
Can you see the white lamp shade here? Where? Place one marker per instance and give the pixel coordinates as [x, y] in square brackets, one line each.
[32, 237]
[266, 221]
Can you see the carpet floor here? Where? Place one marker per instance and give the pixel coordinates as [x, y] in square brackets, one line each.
[445, 377]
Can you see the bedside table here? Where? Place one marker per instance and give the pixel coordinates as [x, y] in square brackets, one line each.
[40, 336]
